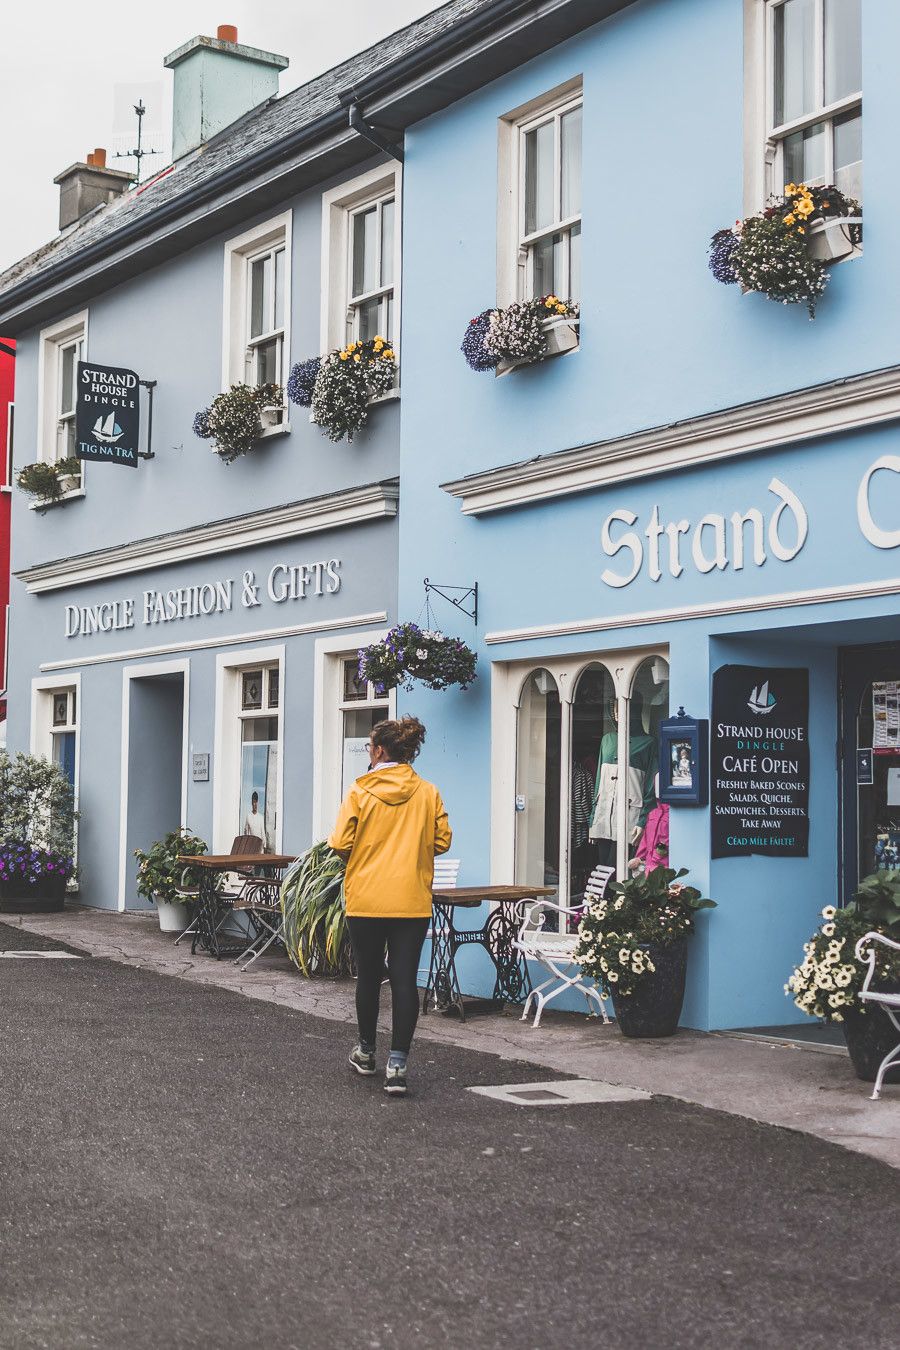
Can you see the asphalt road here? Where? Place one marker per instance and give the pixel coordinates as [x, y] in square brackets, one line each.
[183, 1167]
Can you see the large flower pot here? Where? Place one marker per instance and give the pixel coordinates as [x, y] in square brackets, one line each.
[870, 1036]
[655, 1006]
[173, 916]
[47, 895]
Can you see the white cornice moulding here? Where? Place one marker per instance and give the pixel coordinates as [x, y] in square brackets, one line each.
[820, 410]
[375, 501]
[231, 640]
[822, 595]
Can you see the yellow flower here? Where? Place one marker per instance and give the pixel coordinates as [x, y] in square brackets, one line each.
[790, 190]
[379, 338]
[790, 218]
[388, 354]
[357, 358]
[801, 230]
[343, 356]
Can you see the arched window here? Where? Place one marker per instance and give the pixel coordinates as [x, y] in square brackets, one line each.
[593, 737]
[538, 759]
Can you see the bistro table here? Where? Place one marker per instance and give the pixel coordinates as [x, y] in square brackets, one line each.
[211, 908]
[496, 936]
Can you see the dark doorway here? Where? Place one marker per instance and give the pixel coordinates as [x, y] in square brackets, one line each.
[155, 767]
[869, 692]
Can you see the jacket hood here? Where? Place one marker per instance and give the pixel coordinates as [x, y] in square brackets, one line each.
[392, 786]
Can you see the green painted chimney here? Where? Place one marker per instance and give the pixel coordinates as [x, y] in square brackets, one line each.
[217, 80]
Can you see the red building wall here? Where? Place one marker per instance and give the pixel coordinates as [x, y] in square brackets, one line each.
[7, 385]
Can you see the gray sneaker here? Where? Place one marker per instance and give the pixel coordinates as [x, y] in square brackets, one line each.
[363, 1061]
[395, 1081]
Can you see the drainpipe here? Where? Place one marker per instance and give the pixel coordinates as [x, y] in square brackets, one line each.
[362, 128]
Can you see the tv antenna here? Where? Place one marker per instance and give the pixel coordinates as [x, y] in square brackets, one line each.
[139, 152]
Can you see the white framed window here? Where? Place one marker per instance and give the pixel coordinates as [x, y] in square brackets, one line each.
[539, 239]
[345, 711]
[567, 733]
[6, 484]
[805, 79]
[55, 727]
[249, 747]
[361, 259]
[257, 305]
[62, 346]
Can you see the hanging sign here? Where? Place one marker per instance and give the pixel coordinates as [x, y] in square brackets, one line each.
[759, 762]
[107, 414]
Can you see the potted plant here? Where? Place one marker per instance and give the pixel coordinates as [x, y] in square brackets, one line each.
[315, 921]
[48, 482]
[521, 334]
[37, 834]
[409, 653]
[782, 252]
[828, 981]
[633, 943]
[339, 387]
[162, 879]
[235, 421]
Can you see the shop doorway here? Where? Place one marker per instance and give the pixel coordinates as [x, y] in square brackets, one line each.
[154, 766]
[869, 839]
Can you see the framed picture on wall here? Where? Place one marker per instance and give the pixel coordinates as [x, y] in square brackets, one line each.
[683, 771]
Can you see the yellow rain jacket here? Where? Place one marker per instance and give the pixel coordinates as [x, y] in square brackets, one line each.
[391, 824]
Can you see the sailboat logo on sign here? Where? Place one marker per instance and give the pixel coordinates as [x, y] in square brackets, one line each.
[760, 700]
[107, 429]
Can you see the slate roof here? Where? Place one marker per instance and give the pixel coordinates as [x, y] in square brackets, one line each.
[262, 127]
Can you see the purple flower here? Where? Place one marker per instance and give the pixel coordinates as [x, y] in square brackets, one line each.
[472, 346]
[201, 424]
[301, 381]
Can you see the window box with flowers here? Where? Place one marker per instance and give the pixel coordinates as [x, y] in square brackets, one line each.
[409, 653]
[633, 943]
[237, 420]
[783, 251]
[49, 483]
[340, 388]
[522, 334]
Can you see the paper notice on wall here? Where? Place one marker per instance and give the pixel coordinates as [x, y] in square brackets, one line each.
[886, 714]
[893, 787]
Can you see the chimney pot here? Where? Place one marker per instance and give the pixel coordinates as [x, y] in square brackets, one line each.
[90, 158]
[226, 32]
[99, 159]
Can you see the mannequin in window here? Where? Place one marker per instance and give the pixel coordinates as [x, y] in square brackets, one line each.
[641, 797]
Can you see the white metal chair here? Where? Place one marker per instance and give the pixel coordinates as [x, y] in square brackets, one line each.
[446, 876]
[865, 951]
[556, 953]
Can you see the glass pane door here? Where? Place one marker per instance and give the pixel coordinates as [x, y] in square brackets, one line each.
[870, 736]
[537, 782]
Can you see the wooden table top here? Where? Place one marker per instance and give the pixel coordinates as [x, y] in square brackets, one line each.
[475, 895]
[227, 861]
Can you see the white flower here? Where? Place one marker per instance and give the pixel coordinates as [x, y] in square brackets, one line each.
[619, 903]
[828, 929]
[829, 912]
[613, 976]
[422, 654]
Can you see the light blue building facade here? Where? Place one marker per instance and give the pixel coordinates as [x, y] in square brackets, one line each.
[593, 496]
[706, 479]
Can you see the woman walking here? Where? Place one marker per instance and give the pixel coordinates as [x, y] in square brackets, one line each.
[390, 826]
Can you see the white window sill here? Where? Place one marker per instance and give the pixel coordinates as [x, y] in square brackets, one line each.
[60, 501]
[276, 429]
[5, 488]
[389, 397]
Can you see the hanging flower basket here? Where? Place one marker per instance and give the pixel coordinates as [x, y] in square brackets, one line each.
[236, 420]
[783, 251]
[411, 653]
[521, 334]
[302, 381]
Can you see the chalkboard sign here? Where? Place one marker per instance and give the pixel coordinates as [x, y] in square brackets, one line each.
[759, 762]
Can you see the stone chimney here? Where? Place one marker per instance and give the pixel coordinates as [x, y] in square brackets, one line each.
[217, 80]
[84, 186]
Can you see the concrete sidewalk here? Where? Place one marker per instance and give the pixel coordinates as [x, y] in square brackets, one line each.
[811, 1089]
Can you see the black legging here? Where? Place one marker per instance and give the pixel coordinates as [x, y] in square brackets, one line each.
[403, 939]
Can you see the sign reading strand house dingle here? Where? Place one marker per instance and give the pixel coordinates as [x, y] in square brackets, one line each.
[759, 762]
[107, 414]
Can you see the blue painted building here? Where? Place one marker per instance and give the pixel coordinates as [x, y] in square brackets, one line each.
[702, 479]
[709, 479]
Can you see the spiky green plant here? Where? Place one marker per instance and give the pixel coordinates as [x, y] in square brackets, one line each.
[315, 921]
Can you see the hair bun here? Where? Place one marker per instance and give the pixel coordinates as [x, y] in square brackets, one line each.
[402, 738]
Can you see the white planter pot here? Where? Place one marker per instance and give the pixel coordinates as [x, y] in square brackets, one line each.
[272, 416]
[830, 240]
[69, 482]
[172, 917]
[562, 336]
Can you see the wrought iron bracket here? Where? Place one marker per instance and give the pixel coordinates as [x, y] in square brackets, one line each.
[149, 453]
[458, 601]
